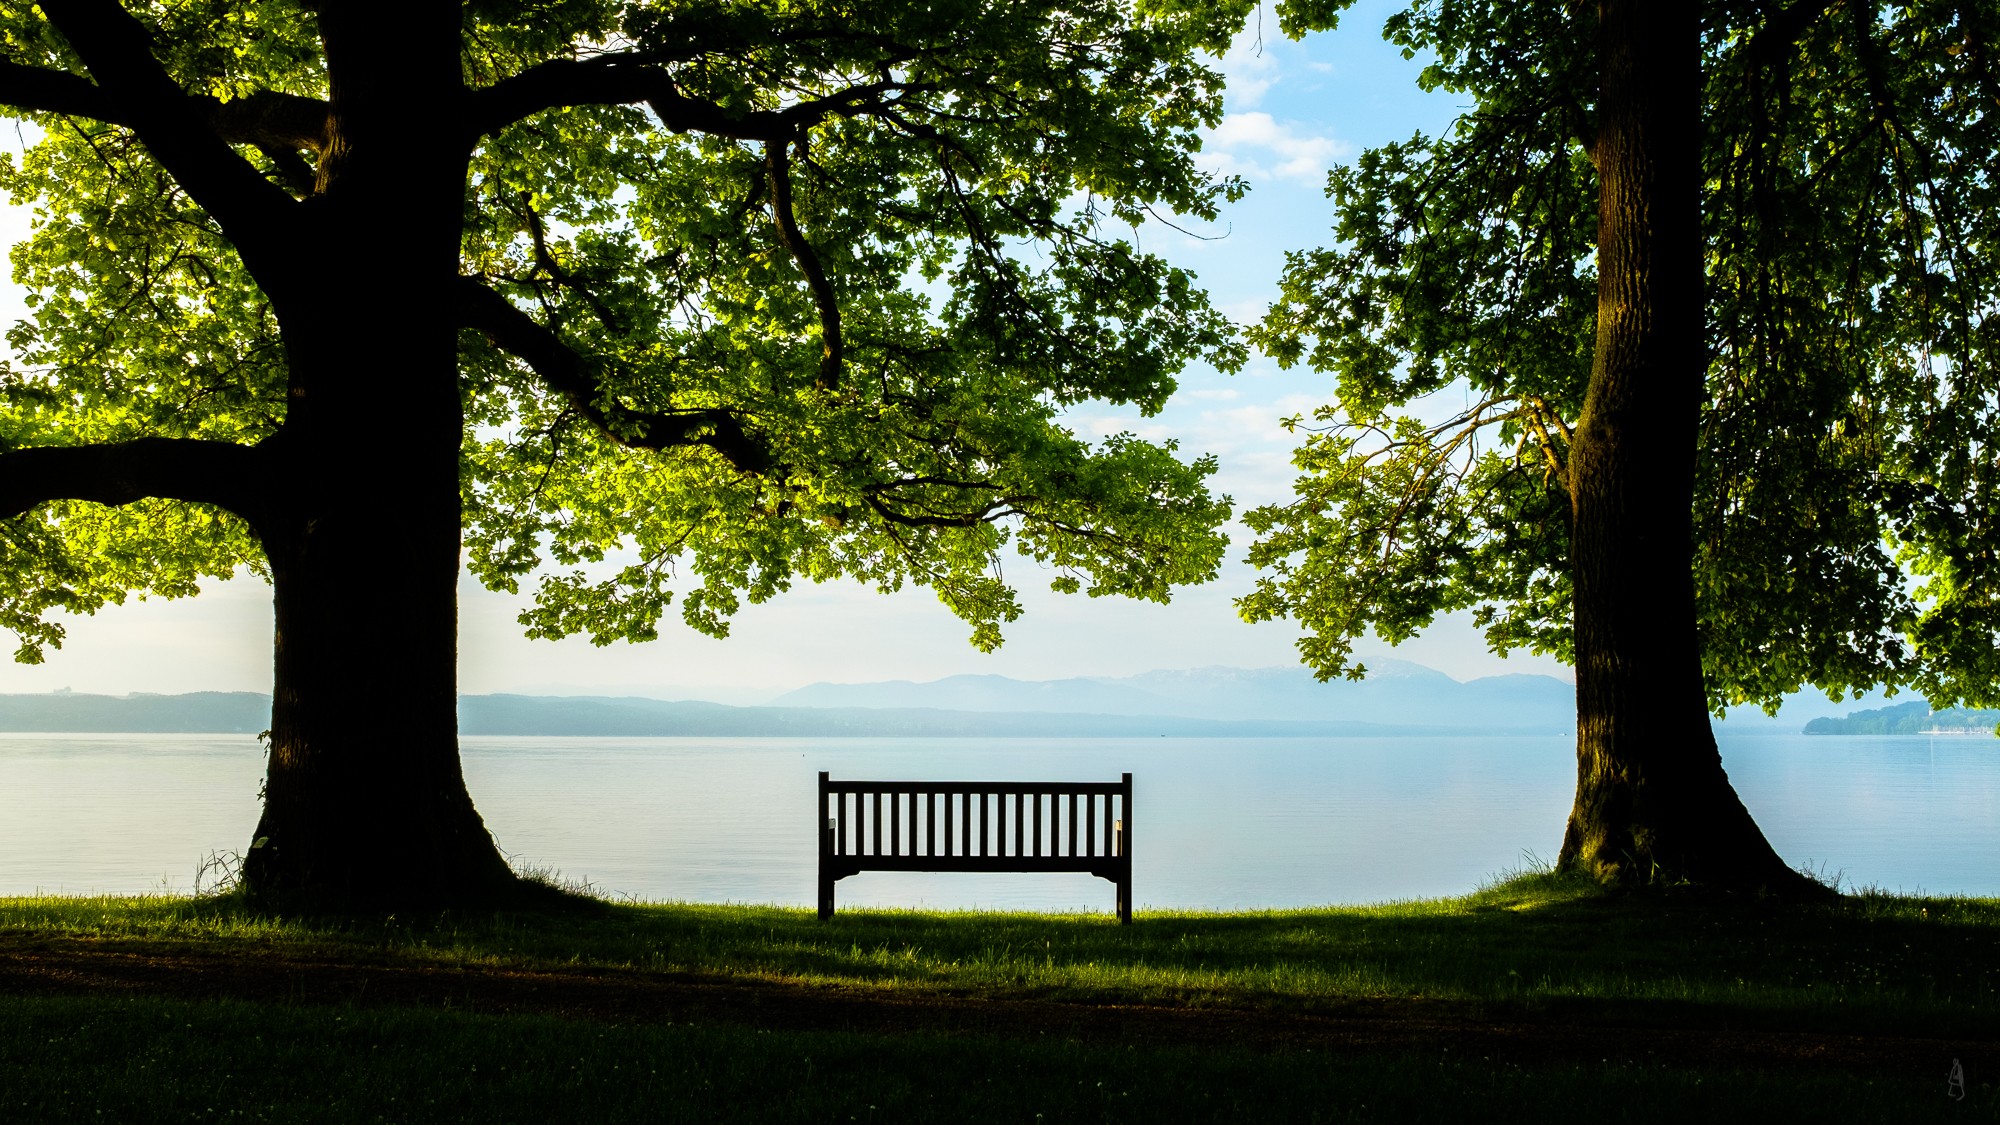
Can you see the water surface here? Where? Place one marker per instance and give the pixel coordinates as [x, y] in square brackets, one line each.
[1220, 823]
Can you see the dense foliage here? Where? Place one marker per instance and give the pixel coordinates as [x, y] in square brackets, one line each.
[752, 292]
[1844, 505]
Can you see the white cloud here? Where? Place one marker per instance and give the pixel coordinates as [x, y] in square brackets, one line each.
[1248, 69]
[1257, 146]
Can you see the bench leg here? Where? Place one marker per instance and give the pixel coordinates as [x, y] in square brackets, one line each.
[826, 842]
[1125, 899]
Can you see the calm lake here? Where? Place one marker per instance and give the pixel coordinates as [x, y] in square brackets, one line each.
[1221, 823]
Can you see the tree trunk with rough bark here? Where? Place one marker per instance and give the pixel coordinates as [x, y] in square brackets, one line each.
[1653, 804]
[365, 801]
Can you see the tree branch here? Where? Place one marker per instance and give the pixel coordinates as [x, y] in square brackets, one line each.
[624, 80]
[142, 96]
[265, 118]
[545, 259]
[571, 375]
[1539, 415]
[270, 119]
[1782, 27]
[987, 514]
[53, 91]
[292, 168]
[802, 252]
[222, 473]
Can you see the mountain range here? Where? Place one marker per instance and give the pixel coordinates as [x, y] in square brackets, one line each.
[1397, 698]
[1396, 692]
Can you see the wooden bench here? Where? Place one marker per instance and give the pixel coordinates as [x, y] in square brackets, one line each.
[975, 826]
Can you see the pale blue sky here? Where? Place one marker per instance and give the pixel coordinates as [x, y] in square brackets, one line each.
[1293, 110]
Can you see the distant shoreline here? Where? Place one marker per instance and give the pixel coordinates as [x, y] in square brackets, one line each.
[633, 716]
[1913, 718]
[588, 716]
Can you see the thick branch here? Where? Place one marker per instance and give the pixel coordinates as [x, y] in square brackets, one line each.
[622, 80]
[809, 264]
[222, 473]
[53, 91]
[265, 118]
[144, 97]
[292, 168]
[571, 375]
[270, 119]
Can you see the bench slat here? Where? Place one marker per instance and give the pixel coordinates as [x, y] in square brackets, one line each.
[850, 844]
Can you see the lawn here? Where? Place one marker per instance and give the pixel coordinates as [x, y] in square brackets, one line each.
[1536, 997]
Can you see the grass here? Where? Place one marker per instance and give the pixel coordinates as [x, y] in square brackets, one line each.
[1534, 947]
[142, 1061]
[1872, 962]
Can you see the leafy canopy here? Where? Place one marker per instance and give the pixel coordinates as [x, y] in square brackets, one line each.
[1846, 472]
[765, 290]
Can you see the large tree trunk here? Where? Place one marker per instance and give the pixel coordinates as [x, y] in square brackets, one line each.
[1652, 801]
[364, 800]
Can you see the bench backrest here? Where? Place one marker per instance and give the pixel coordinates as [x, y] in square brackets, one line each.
[950, 821]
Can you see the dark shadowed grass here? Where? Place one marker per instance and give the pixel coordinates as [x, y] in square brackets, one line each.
[167, 1061]
[1535, 946]
[1870, 963]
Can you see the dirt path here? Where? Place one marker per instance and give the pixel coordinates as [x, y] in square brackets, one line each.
[46, 967]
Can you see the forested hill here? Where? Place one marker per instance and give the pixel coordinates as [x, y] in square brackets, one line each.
[1909, 718]
[201, 712]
